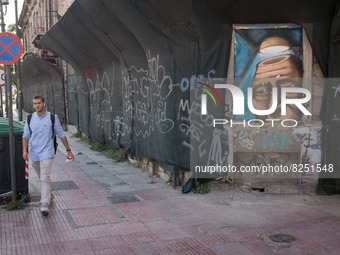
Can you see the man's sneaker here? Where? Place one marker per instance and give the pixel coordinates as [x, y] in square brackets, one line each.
[44, 210]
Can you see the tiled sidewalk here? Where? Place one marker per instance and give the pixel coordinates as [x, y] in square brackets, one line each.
[105, 208]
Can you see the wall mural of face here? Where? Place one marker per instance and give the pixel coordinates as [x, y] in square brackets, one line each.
[281, 71]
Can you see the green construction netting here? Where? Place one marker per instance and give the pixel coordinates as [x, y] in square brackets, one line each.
[330, 113]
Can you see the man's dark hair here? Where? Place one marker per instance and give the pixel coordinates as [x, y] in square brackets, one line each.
[39, 97]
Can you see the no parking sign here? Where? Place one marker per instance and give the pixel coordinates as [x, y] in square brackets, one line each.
[10, 48]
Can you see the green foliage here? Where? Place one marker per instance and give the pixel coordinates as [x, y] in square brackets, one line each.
[85, 138]
[12, 29]
[178, 182]
[29, 111]
[12, 206]
[203, 188]
[95, 146]
[117, 155]
[169, 180]
[78, 134]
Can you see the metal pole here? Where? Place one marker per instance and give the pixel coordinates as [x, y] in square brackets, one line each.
[6, 102]
[1, 103]
[19, 99]
[2, 19]
[9, 110]
[11, 133]
[2, 30]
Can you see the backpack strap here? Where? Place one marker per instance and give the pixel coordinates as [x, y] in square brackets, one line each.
[29, 117]
[53, 133]
[52, 120]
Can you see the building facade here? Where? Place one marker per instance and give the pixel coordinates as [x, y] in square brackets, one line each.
[36, 18]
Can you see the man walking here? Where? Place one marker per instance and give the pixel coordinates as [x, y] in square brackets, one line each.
[41, 151]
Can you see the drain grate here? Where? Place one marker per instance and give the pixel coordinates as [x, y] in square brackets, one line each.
[128, 198]
[91, 163]
[282, 238]
[64, 185]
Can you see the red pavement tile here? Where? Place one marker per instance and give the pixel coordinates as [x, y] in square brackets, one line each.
[96, 193]
[108, 215]
[185, 245]
[107, 242]
[260, 246]
[86, 216]
[157, 248]
[316, 233]
[139, 211]
[201, 251]
[127, 228]
[76, 247]
[170, 234]
[83, 221]
[9, 251]
[93, 216]
[306, 246]
[140, 237]
[62, 236]
[117, 250]
[237, 249]
[212, 240]
[92, 231]
[68, 199]
[36, 250]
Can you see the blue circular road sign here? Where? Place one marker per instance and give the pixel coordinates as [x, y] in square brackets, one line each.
[10, 48]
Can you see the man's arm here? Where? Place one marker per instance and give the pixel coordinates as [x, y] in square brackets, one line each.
[25, 148]
[25, 138]
[67, 147]
[60, 132]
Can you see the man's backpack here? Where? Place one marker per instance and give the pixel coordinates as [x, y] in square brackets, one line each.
[29, 117]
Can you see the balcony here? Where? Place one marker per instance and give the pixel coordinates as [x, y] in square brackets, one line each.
[36, 41]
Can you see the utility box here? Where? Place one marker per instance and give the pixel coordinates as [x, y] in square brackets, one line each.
[5, 171]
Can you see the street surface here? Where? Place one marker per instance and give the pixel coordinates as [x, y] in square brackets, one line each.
[102, 207]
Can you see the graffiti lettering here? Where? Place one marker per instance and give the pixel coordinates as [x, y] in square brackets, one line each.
[280, 142]
[337, 90]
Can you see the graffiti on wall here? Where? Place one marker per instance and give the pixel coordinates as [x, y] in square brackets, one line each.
[337, 90]
[265, 140]
[96, 94]
[152, 105]
[252, 160]
[310, 140]
[145, 94]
